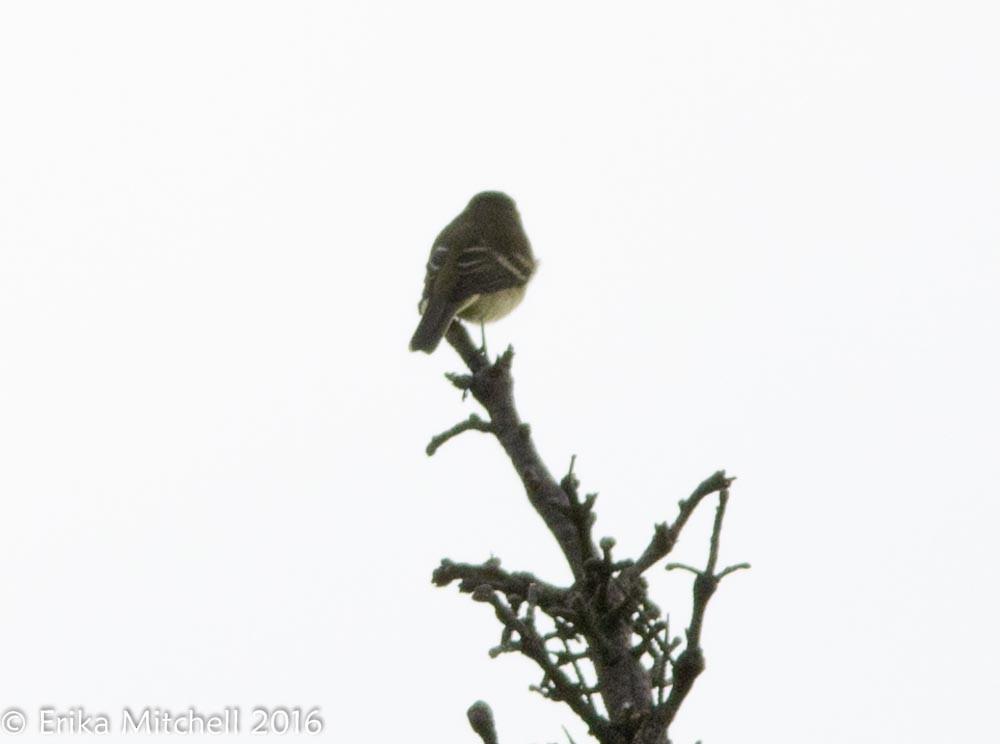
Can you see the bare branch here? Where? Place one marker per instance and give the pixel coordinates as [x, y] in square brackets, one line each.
[517, 585]
[493, 388]
[730, 569]
[473, 423]
[481, 719]
[556, 684]
[664, 537]
[691, 662]
[605, 625]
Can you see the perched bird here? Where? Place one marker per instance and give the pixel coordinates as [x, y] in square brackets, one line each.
[478, 268]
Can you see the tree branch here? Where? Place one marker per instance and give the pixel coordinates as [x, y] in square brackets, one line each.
[515, 586]
[606, 617]
[664, 537]
[473, 423]
[481, 719]
[691, 662]
[492, 386]
[556, 684]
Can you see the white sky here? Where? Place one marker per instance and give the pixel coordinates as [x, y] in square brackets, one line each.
[769, 242]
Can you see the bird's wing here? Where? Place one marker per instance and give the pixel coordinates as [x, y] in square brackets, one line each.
[481, 269]
[437, 259]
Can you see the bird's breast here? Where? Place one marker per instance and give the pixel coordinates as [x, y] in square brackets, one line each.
[485, 308]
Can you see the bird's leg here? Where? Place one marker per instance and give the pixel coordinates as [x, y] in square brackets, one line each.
[482, 335]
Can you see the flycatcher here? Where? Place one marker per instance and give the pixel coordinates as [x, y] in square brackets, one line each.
[478, 268]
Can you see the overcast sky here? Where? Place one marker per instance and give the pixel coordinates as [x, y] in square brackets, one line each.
[769, 243]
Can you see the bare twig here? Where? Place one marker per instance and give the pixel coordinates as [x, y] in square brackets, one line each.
[665, 537]
[605, 623]
[481, 719]
[473, 423]
[552, 599]
[691, 662]
[493, 387]
[531, 644]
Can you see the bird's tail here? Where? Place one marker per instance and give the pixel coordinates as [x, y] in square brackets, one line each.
[433, 325]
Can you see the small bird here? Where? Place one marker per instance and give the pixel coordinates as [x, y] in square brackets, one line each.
[478, 268]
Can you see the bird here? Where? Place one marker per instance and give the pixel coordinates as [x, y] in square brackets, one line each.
[478, 269]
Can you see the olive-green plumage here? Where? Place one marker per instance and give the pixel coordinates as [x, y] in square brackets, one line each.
[478, 268]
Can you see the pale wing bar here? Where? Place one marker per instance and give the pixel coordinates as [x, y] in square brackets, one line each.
[488, 270]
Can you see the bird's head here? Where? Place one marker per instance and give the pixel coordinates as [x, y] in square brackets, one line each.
[491, 201]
